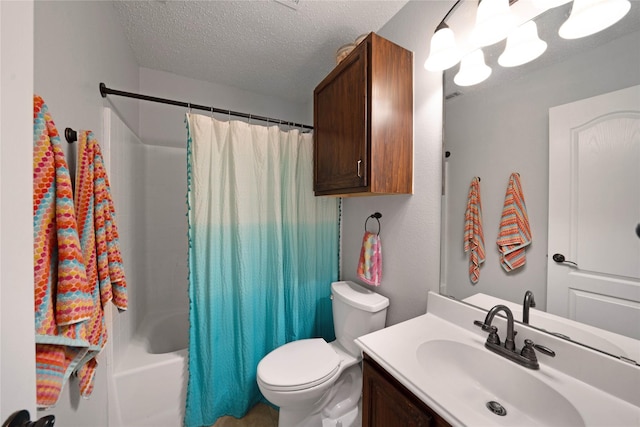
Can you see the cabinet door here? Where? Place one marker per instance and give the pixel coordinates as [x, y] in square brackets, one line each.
[340, 117]
[384, 405]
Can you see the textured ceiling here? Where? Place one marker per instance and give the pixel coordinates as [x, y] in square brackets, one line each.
[261, 46]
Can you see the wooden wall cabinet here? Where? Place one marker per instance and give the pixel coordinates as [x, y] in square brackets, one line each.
[363, 123]
[387, 403]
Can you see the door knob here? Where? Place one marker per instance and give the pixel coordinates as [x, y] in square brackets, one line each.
[560, 259]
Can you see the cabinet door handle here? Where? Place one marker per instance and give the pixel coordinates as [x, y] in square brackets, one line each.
[359, 163]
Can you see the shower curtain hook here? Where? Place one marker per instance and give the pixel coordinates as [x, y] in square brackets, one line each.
[212, 112]
[188, 108]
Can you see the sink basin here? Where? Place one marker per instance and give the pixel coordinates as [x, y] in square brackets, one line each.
[475, 377]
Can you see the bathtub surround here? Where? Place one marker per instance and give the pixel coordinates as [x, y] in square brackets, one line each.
[263, 252]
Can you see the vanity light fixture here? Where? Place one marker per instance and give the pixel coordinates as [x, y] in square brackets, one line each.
[444, 52]
[591, 16]
[494, 21]
[473, 69]
[523, 45]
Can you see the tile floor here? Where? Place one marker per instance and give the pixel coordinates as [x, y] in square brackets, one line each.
[260, 415]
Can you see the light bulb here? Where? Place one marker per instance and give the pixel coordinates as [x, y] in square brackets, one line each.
[494, 20]
[444, 52]
[590, 16]
[523, 45]
[473, 69]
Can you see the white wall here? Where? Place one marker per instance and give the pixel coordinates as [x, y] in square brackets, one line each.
[17, 338]
[77, 46]
[410, 224]
[493, 135]
[164, 124]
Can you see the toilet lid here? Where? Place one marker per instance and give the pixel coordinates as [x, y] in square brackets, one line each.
[298, 365]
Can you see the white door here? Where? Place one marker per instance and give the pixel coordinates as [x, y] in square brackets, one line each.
[17, 335]
[594, 210]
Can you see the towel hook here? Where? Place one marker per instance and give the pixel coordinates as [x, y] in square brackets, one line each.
[376, 216]
[70, 135]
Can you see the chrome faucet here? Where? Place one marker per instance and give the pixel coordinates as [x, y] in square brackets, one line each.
[526, 357]
[529, 302]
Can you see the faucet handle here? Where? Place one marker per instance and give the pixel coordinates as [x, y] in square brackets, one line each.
[493, 332]
[483, 325]
[528, 351]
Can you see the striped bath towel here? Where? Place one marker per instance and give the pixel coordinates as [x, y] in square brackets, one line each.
[63, 302]
[100, 248]
[473, 234]
[515, 234]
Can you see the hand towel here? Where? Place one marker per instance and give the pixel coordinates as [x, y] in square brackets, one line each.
[100, 248]
[370, 263]
[63, 302]
[473, 233]
[515, 234]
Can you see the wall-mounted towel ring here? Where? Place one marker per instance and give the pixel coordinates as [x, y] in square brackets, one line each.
[376, 216]
[70, 135]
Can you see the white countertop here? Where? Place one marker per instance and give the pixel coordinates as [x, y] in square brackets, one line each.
[395, 349]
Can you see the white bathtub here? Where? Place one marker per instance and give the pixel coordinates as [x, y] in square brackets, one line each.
[150, 382]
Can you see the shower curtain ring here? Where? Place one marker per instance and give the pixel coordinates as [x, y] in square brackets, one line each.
[212, 112]
[376, 216]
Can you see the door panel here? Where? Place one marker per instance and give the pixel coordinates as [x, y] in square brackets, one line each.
[594, 208]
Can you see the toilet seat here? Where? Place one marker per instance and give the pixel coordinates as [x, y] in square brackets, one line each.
[298, 365]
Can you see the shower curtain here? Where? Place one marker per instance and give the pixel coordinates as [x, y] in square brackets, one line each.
[263, 252]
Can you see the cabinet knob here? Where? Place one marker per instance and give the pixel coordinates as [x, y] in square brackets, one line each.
[359, 163]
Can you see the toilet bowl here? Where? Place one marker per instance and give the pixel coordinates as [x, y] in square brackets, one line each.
[316, 383]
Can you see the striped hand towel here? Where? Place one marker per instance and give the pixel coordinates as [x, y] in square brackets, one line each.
[515, 234]
[473, 233]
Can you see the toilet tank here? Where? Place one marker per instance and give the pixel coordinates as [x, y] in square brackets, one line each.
[357, 311]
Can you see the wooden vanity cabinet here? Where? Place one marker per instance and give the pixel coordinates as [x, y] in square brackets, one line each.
[387, 403]
[363, 123]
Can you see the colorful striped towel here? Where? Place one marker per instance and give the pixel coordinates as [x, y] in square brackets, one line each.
[100, 248]
[370, 263]
[63, 302]
[473, 233]
[515, 234]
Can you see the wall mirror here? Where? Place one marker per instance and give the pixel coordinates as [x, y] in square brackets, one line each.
[501, 126]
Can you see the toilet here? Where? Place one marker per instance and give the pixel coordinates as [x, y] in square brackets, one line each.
[319, 384]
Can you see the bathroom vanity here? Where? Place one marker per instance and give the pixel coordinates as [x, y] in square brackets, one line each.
[437, 370]
[386, 402]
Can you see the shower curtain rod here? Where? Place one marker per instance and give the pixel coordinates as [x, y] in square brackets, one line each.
[104, 91]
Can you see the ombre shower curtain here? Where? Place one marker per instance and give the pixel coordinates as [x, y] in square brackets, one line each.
[263, 252]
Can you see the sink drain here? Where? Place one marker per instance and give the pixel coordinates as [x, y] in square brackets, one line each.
[496, 408]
